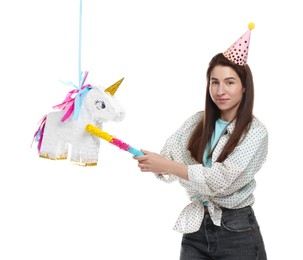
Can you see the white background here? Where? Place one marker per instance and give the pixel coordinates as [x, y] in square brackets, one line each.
[56, 210]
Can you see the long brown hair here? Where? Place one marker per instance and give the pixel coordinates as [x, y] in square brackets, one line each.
[203, 132]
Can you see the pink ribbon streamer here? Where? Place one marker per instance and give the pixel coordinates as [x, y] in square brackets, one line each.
[72, 103]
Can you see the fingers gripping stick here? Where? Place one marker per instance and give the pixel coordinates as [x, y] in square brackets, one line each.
[107, 137]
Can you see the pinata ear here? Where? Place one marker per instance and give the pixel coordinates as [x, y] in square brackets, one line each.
[238, 52]
[113, 88]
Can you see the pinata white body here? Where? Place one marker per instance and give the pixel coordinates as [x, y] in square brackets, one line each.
[59, 137]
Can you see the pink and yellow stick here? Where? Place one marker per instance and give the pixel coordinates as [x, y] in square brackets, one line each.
[115, 141]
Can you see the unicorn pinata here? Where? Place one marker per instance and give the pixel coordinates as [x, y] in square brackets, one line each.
[62, 130]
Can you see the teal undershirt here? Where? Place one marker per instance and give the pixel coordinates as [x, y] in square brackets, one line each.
[220, 128]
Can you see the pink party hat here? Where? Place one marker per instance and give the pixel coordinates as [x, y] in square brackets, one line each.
[238, 52]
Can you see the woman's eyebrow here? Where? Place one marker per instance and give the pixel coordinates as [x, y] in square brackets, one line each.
[228, 78]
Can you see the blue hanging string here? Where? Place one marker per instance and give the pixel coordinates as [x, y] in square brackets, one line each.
[82, 89]
[80, 47]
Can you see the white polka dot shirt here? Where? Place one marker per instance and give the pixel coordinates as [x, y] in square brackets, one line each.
[229, 184]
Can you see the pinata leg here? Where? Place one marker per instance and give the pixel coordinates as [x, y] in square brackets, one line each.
[83, 156]
[53, 146]
[54, 150]
[86, 152]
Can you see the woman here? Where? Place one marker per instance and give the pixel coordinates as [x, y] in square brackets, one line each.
[215, 155]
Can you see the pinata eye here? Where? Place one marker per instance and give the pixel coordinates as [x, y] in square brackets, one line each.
[100, 104]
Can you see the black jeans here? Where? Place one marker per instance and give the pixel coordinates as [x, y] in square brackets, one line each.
[238, 238]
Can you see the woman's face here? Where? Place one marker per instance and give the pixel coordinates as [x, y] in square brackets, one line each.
[226, 91]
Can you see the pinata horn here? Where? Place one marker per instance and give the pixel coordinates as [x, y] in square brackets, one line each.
[113, 88]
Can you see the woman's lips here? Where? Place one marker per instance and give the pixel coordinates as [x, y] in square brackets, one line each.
[222, 100]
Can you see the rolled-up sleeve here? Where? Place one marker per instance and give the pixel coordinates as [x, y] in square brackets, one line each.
[175, 147]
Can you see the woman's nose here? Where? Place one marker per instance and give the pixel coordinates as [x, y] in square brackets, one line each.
[220, 90]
